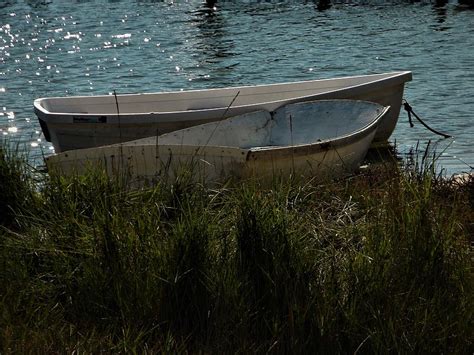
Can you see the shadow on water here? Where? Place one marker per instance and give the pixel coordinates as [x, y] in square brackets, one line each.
[383, 154]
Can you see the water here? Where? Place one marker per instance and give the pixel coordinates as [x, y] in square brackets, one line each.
[90, 47]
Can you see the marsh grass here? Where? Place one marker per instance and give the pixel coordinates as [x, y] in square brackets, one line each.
[378, 262]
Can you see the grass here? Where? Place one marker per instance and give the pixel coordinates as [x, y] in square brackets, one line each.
[380, 262]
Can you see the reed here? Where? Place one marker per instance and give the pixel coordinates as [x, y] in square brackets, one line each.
[378, 262]
[17, 185]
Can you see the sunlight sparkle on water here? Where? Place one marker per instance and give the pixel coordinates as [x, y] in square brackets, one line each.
[125, 35]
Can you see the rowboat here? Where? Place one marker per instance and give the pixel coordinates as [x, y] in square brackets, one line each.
[328, 137]
[90, 121]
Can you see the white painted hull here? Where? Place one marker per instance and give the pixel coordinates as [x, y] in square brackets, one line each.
[303, 139]
[84, 122]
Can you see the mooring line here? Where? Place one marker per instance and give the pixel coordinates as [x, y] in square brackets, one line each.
[410, 111]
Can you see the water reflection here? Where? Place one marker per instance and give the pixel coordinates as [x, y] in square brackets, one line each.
[4, 4]
[465, 5]
[212, 41]
[38, 3]
[441, 12]
[322, 5]
[440, 9]
[263, 8]
[211, 4]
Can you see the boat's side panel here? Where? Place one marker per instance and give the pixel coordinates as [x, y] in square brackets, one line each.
[326, 160]
[391, 96]
[148, 164]
[139, 164]
[65, 136]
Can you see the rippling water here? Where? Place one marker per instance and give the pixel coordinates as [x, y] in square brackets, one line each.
[89, 47]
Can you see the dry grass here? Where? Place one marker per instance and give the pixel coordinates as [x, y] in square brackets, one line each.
[379, 262]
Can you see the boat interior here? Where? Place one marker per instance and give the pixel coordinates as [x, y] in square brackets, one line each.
[292, 124]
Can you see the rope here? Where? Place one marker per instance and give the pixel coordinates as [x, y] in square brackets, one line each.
[410, 111]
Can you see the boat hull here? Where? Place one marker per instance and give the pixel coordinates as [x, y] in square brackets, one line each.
[200, 150]
[143, 165]
[139, 116]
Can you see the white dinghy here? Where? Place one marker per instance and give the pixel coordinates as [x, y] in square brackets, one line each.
[329, 137]
[92, 121]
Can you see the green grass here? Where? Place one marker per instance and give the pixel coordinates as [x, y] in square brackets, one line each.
[375, 263]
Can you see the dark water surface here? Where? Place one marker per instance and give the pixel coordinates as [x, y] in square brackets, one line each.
[90, 47]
